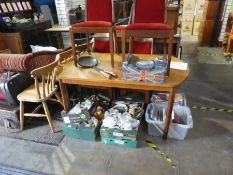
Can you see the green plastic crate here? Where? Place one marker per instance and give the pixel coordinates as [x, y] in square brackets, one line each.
[120, 142]
[119, 133]
[82, 132]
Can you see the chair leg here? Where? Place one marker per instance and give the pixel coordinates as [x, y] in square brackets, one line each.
[115, 42]
[111, 48]
[123, 38]
[88, 43]
[21, 115]
[110, 93]
[48, 116]
[59, 98]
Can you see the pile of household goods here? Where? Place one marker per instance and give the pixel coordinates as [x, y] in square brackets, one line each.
[181, 119]
[121, 123]
[83, 121]
[92, 118]
[150, 71]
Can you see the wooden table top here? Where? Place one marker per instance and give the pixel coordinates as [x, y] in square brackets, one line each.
[89, 76]
[58, 28]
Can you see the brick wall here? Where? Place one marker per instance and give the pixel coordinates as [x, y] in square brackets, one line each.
[63, 7]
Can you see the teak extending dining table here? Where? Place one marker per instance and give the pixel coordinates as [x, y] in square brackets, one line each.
[90, 77]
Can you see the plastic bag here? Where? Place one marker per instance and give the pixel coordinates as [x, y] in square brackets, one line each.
[37, 48]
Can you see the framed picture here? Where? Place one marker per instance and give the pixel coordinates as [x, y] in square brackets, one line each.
[9, 7]
[4, 8]
[24, 6]
[29, 5]
[14, 6]
[19, 6]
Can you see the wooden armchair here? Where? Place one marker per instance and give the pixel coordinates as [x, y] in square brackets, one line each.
[44, 88]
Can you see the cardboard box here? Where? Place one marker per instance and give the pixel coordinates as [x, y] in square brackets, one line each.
[189, 6]
[188, 18]
[132, 73]
[197, 24]
[82, 132]
[187, 28]
[200, 6]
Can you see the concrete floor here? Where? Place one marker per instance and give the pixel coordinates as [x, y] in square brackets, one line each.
[207, 150]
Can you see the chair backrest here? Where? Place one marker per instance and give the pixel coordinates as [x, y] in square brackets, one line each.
[142, 46]
[47, 76]
[64, 57]
[149, 11]
[99, 10]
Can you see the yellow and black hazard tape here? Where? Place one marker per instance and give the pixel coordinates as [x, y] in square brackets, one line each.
[212, 109]
[156, 148]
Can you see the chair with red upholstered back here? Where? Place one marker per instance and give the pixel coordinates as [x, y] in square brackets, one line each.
[99, 19]
[148, 21]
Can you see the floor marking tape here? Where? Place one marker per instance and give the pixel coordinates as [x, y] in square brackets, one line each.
[156, 148]
[212, 109]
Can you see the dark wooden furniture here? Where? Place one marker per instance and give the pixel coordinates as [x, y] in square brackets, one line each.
[20, 39]
[206, 34]
[11, 8]
[74, 75]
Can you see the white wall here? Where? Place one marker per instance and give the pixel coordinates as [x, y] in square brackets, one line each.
[63, 7]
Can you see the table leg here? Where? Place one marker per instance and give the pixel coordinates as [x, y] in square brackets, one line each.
[64, 95]
[169, 112]
[59, 39]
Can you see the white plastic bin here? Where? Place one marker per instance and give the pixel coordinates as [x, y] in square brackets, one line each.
[176, 130]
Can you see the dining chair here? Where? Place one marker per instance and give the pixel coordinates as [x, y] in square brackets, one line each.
[41, 91]
[149, 21]
[99, 19]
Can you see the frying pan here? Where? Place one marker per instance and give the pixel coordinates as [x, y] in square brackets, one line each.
[87, 61]
[91, 62]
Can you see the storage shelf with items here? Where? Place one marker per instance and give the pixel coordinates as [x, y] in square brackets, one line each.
[18, 19]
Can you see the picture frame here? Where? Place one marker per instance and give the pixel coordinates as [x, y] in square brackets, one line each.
[20, 6]
[14, 6]
[9, 7]
[29, 5]
[4, 8]
[24, 5]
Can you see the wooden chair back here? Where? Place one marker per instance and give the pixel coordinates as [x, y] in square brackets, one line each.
[46, 77]
[64, 57]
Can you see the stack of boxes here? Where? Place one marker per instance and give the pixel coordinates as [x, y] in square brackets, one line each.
[192, 16]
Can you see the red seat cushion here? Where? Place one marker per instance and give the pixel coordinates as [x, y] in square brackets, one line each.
[93, 24]
[148, 26]
[102, 46]
[141, 47]
[120, 28]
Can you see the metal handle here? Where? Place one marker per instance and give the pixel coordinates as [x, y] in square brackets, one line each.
[105, 74]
